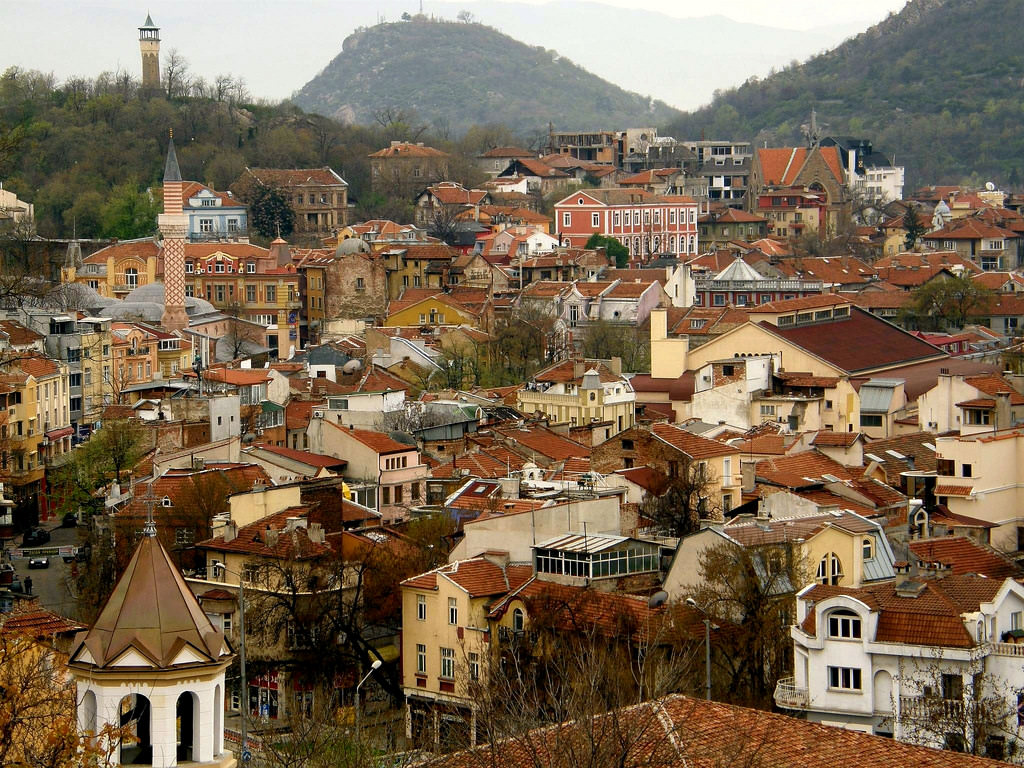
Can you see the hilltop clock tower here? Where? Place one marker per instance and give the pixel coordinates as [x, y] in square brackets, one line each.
[149, 43]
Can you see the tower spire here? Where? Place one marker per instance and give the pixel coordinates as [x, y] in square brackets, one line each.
[173, 226]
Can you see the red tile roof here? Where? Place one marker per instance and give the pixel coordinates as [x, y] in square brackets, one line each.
[296, 177]
[36, 622]
[694, 446]
[305, 457]
[252, 539]
[479, 577]
[543, 441]
[298, 413]
[800, 470]
[781, 166]
[750, 532]
[375, 441]
[18, 334]
[964, 555]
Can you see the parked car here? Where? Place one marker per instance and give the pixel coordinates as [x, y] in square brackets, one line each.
[35, 537]
[39, 562]
[70, 520]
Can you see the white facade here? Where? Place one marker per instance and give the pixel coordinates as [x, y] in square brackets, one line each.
[915, 692]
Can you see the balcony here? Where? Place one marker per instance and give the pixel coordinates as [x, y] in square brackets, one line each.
[933, 708]
[788, 695]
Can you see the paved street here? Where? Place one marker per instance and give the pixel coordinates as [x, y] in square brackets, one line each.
[53, 585]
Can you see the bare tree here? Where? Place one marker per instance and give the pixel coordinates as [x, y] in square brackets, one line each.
[176, 74]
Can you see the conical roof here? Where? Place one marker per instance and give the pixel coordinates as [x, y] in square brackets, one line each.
[739, 270]
[151, 619]
[149, 23]
[171, 170]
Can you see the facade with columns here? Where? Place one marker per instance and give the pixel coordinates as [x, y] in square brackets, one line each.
[154, 665]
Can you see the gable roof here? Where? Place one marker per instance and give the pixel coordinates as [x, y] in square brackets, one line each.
[694, 446]
[478, 576]
[964, 555]
[780, 166]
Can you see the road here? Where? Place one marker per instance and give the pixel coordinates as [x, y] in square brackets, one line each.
[53, 585]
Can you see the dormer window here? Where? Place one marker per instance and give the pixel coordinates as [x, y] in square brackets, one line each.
[844, 625]
[830, 569]
[868, 548]
[166, 502]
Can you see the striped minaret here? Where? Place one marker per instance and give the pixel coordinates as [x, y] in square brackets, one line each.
[173, 226]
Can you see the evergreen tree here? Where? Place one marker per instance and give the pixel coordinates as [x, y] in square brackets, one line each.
[913, 227]
[271, 212]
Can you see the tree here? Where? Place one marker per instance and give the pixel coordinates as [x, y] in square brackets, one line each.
[128, 213]
[753, 587]
[604, 340]
[612, 247]
[271, 212]
[118, 445]
[176, 77]
[523, 342]
[913, 227]
[686, 501]
[952, 302]
[445, 222]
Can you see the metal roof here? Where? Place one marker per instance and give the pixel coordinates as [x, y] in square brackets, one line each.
[578, 542]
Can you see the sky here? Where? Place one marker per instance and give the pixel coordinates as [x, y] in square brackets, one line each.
[277, 46]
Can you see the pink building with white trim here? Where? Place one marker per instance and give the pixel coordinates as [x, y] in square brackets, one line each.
[647, 224]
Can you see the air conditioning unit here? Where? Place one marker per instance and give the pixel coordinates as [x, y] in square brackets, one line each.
[318, 414]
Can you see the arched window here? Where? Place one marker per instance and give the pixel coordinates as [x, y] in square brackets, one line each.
[518, 619]
[844, 625]
[830, 569]
[868, 547]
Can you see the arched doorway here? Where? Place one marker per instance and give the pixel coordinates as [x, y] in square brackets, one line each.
[135, 719]
[187, 726]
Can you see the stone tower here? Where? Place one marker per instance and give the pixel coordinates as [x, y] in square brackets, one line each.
[149, 43]
[173, 225]
[154, 665]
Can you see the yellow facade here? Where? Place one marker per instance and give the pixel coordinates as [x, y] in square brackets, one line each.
[431, 311]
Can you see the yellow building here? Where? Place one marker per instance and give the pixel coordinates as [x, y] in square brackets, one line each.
[445, 645]
[118, 269]
[582, 392]
[428, 306]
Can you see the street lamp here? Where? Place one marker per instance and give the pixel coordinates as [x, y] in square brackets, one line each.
[373, 667]
[244, 753]
[707, 646]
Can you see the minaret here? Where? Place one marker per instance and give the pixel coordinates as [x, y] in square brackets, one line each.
[173, 225]
[149, 43]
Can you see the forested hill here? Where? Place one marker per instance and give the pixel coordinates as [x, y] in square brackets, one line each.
[455, 75]
[940, 85]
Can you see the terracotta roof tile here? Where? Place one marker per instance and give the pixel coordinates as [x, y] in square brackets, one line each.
[694, 446]
[252, 539]
[964, 555]
[479, 576]
[376, 441]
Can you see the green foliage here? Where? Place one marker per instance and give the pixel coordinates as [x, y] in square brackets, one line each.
[271, 213]
[464, 74]
[128, 213]
[612, 247]
[913, 226]
[937, 84]
[950, 303]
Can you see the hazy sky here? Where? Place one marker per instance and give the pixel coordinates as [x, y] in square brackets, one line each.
[278, 45]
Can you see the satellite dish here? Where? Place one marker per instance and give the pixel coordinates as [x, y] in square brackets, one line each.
[990, 186]
[352, 366]
[658, 598]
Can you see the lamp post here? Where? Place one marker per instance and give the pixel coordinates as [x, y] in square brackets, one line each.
[244, 753]
[707, 646]
[373, 667]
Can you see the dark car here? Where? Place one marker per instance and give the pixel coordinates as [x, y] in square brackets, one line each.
[70, 520]
[35, 537]
[39, 562]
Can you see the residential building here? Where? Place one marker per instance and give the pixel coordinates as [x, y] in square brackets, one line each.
[913, 660]
[740, 285]
[497, 159]
[971, 404]
[991, 247]
[446, 644]
[721, 225]
[216, 216]
[13, 210]
[403, 169]
[725, 168]
[872, 176]
[438, 205]
[676, 453]
[319, 196]
[646, 224]
[594, 147]
[118, 269]
[579, 392]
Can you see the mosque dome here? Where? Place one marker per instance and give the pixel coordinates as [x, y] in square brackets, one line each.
[351, 245]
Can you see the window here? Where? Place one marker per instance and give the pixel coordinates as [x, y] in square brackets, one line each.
[398, 494]
[977, 416]
[226, 622]
[1016, 620]
[830, 570]
[767, 410]
[868, 548]
[518, 619]
[131, 277]
[595, 219]
[271, 294]
[250, 294]
[871, 419]
[360, 284]
[844, 678]
[421, 659]
[250, 267]
[421, 607]
[474, 666]
[206, 225]
[967, 470]
[844, 625]
[183, 536]
[74, 354]
[453, 611]
[189, 267]
[566, 219]
[952, 687]
[447, 663]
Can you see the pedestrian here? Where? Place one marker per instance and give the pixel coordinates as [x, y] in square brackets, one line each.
[28, 585]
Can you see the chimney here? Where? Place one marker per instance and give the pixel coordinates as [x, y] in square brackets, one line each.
[280, 252]
[230, 531]
[270, 536]
[1004, 416]
[762, 509]
[616, 366]
[578, 369]
[316, 533]
[909, 589]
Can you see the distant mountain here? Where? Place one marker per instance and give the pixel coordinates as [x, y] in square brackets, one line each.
[458, 75]
[940, 85]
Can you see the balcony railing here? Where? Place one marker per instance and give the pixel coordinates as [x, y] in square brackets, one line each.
[932, 708]
[789, 695]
